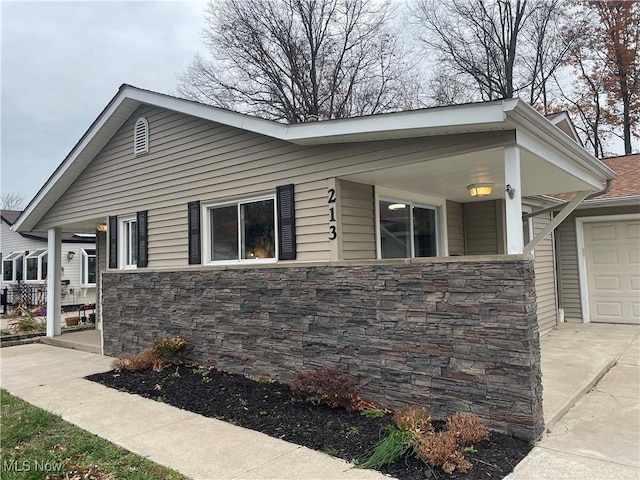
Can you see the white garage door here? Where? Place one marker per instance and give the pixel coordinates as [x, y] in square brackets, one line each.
[612, 258]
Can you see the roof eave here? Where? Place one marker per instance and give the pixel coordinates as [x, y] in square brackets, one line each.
[628, 200]
[520, 113]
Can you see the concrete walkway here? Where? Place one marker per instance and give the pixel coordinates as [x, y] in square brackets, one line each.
[86, 341]
[199, 447]
[594, 436]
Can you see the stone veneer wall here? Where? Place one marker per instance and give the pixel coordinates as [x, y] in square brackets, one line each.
[450, 335]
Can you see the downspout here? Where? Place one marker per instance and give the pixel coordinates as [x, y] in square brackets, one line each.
[554, 208]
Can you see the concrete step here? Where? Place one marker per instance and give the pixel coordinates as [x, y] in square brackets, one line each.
[61, 341]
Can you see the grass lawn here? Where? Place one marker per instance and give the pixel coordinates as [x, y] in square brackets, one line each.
[36, 444]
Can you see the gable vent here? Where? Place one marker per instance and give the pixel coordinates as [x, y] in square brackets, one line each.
[141, 137]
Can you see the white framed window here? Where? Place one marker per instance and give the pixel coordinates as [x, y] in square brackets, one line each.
[243, 231]
[36, 265]
[141, 137]
[13, 267]
[88, 268]
[407, 229]
[128, 232]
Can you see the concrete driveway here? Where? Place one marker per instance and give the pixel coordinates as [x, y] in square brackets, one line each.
[599, 437]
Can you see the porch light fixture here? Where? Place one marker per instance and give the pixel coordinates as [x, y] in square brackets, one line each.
[397, 206]
[102, 227]
[70, 255]
[480, 189]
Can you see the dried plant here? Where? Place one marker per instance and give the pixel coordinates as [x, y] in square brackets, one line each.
[467, 428]
[415, 420]
[140, 361]
[329, 386]
[441, 450]
[170, 350]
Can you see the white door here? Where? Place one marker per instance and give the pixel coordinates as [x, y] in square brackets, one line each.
[612, 259]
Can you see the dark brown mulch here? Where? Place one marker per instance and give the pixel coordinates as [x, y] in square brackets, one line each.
[272, 409]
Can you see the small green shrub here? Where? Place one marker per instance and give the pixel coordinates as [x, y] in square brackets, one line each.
[328, 386]
[372, 413]
[396, 444]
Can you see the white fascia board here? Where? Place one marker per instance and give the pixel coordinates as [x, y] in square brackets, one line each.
[208, 112]
[46, 196]
[526, 119]
[541, 200]
[612, 202]
[431, 121]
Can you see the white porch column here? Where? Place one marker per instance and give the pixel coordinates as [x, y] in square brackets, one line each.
[513, 206]
[54, 279]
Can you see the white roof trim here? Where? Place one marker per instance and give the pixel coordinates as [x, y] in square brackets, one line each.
[611, 201]
[496, 115]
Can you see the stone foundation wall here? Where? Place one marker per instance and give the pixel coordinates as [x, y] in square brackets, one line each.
[454, 336]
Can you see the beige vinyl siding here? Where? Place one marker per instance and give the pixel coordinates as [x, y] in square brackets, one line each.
[194, 159]
[11, 241]
[455, 228]
[569, 280]
[481, 228]
[358, 228]
[544, 265]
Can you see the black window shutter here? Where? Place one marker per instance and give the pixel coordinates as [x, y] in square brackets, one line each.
[113, 242]
[286, 222]
[195, 257]
[143, 244]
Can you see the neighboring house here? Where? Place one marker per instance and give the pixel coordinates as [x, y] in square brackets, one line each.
[598, 248]
[391, 246]
[25, 259]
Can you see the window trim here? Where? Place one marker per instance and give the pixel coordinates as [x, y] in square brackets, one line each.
[84, 267]
[386, 194]
[206, 231]
[39, 277]
[13, 257]
[124, 244]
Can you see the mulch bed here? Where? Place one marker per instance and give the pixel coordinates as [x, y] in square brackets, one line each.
[272, 409]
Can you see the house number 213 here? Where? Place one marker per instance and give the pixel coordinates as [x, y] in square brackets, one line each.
[333, 233]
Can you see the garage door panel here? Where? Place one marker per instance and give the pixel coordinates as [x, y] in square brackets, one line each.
[599, 232]
[632, 231]
[604, 257]
[612, 254]
[606, 283]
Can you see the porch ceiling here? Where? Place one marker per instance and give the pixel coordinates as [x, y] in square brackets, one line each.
[83, 225]
[448, 177]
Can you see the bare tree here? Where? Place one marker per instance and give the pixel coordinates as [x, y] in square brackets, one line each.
[301, 60]
[445, 88]
[11, 201]
[604, 97]
[619, 37]
[505, 48]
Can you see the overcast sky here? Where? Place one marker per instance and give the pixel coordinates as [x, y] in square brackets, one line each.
[63, 61]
